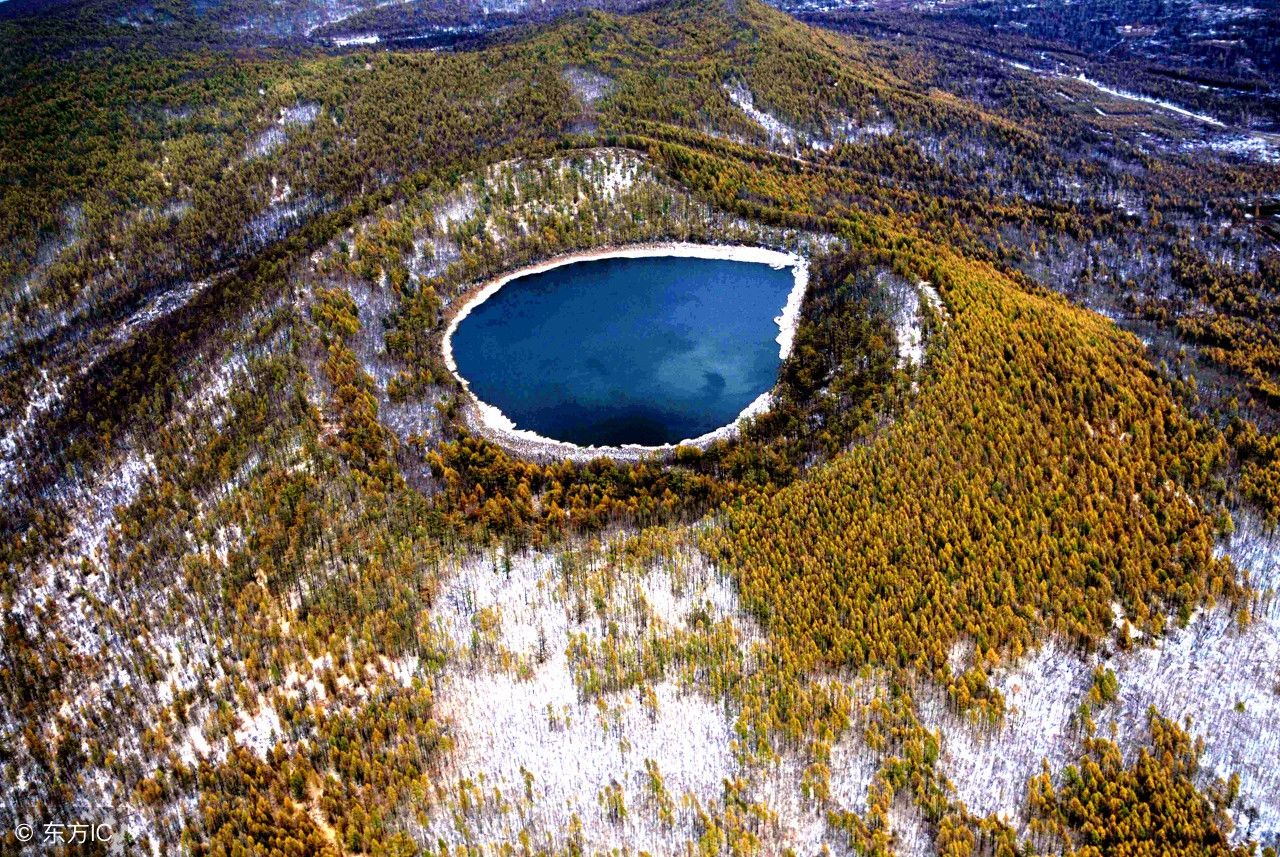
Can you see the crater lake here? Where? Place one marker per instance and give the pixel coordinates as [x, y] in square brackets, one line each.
[620, 350]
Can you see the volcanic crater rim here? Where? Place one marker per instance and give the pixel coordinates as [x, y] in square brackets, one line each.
[489, 421]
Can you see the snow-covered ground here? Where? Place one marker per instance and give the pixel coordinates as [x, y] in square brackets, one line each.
[299, 115]
[506, 724]
[589, 85]
[573, 752]
[1264, 148]
[788, 137]
[359, 39]
[303, 113]
[1146, 99]
[778, 131]
[1217, 677]
[1221, 682]
[266, 142]
[1223, 678]
[908, 328]
[532, 753]
[990, 768]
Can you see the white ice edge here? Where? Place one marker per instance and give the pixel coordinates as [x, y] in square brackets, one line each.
[494, 420]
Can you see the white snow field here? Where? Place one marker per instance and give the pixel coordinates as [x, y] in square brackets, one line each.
[1216, 677]
[533, 757]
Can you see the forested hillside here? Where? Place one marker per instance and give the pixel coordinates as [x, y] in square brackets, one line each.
[993, 574]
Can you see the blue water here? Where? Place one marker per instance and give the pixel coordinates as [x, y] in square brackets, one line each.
[615, 351]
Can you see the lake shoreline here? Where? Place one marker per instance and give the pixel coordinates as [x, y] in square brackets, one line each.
[491, 423]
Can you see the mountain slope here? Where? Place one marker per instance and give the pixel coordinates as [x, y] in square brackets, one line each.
[267, 585]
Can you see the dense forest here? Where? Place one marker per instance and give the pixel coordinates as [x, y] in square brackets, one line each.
[269, 586]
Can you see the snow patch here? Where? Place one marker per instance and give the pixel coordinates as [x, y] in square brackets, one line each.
[359, 39]
[300, 114]
[990, 767]
[259, 731]
[1263, 148]
[590, 86]
[266, 143]
[1222, 680]
[776, 129]
[1217, 677]
[530, 753]
[547, 752]
[1146, 99]
[908, 329]
[574, 751]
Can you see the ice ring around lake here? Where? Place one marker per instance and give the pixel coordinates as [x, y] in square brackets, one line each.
[635, 348]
